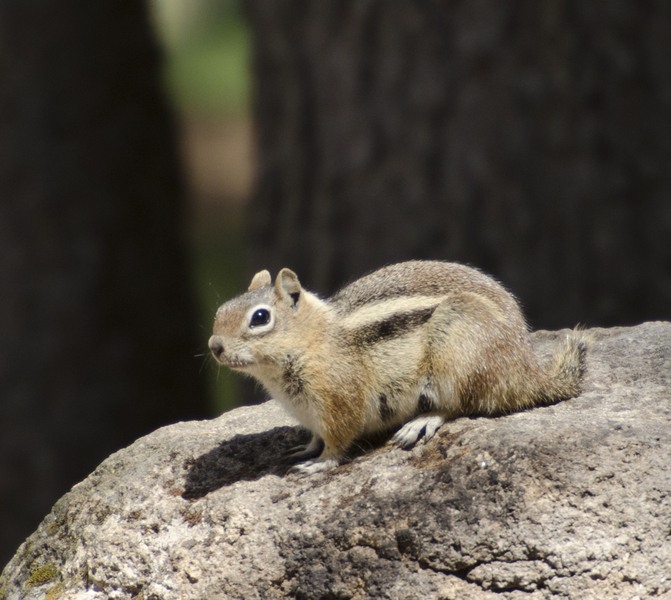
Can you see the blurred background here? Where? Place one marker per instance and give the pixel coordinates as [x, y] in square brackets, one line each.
[154, 156]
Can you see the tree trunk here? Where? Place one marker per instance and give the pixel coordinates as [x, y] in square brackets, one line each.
[531, 139]
[96, 340]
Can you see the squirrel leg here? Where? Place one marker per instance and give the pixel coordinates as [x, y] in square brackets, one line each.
[334, 450]
[326, 460]
[424, 426]
[306, 451]
[341, 424]
[455, 342]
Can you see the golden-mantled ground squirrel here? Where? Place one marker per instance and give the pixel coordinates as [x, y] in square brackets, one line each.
[414, 343]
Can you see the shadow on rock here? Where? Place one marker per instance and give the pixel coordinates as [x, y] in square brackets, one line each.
[244, 457]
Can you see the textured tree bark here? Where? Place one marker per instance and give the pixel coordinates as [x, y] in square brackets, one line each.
[531, 139]
[96, 340]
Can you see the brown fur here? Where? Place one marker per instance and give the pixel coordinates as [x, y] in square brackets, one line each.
[415, 335]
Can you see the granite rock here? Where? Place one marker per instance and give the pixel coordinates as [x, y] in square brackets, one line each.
[571, 500]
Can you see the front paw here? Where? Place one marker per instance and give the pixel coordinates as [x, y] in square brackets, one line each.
[304, 451]
[311, 467]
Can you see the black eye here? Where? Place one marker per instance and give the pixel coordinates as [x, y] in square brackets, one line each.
[260, 317]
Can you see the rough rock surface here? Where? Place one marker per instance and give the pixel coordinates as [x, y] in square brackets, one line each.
[571, 500]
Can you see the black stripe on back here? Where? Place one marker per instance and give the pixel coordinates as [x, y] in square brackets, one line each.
[393, 326]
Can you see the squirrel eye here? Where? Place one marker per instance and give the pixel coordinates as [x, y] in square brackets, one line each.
[260, 317]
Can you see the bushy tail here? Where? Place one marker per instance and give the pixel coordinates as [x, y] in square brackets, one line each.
[566, 370]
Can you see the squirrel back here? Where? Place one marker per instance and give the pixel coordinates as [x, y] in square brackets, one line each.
[415, 343]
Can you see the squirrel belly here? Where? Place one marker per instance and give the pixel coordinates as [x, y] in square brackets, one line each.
[411, 344]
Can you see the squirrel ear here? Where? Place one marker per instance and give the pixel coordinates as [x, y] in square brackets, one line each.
[261, 279]
[288, 287]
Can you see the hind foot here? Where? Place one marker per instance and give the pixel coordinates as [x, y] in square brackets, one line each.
[424, 426]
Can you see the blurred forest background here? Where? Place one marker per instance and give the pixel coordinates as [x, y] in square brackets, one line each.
[153, 157]
[207, 76]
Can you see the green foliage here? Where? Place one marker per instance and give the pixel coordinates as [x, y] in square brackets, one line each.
[209, 73]
[207, 53]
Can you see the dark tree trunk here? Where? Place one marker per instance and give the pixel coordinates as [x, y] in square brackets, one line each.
[96, 341]
[531, 139]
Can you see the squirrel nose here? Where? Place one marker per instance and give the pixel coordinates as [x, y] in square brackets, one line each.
[216, 347]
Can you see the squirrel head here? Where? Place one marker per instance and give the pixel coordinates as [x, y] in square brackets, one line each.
[265, 324]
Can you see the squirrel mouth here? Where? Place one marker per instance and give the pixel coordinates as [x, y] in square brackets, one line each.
[237, 364]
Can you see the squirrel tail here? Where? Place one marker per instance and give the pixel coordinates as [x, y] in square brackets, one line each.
[565, 371]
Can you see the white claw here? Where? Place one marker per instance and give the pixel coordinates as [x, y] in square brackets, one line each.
[310, 467]
[424, 426]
